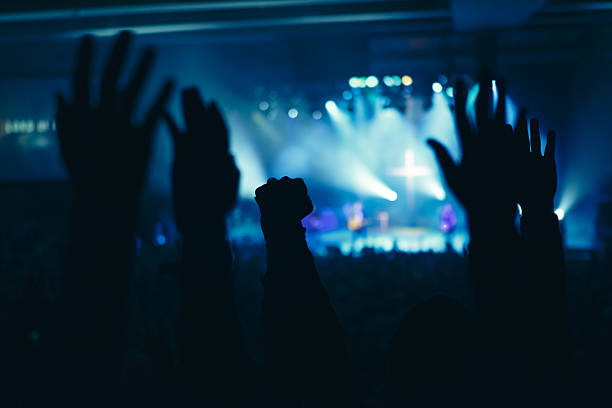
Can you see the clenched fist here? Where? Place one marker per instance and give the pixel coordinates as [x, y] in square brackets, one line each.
[283, 204]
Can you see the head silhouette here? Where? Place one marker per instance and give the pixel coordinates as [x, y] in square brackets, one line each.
[431, 354]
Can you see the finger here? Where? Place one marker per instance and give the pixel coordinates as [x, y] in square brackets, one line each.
[217, 125]
[172, 126]
[82, 73]
[271, 180]
[484, 101]
[461, 120]
[500, 114]
[136, 82]
[444, 160]
[113, 70]
[551, 140]
[520, 131]
[536, 144]
[158, 108]
[193, 110]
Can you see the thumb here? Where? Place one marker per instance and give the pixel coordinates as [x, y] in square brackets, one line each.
[174, 130]
[449, 168]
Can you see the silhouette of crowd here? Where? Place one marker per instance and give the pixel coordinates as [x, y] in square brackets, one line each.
[490, 327]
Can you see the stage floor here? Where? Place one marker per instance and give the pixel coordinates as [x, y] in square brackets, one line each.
[405, 239]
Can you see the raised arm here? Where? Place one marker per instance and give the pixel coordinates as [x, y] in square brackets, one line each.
[306, 360]
[205, 182]
[106, 154]
[485, 183]
[544, 259]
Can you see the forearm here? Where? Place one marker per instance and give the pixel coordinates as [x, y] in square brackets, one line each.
[494, 253]
[546, 265]
[211, 343]
[94, 290]
[304, 339]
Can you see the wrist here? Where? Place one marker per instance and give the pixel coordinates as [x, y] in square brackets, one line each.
[282, 234]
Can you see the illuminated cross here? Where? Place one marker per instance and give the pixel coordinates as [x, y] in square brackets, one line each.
[410, 169]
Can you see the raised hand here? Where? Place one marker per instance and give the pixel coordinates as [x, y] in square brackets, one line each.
[484, 179]
[539, 172]
[283, 204]
[103, 149]
[205, 177]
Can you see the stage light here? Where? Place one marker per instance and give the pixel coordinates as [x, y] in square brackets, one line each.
[494, 92]
[347, 95]
[519, 209]
[356, 82]
[387, 80]
[436, 87]
[331, 106]
[407, 80]
[371, 81]
[560, 213]
[450, 92]
[397, 81]
[391, 195]
[293, 113]
[42, 126]
[316, 115]
[160, 239]
[438, 192]
[264, 106]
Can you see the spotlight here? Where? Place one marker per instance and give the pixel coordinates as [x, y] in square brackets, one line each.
[450, 91]
[316, 115]
[160, 239]
[407, 80]
[387, 80]
[437, 87]
[357, 82]
[397, 81]
[371, 81]
[331, 106]
[264, 105]
[391, 195]
[347, 95]
[560, 213]
[293, 113]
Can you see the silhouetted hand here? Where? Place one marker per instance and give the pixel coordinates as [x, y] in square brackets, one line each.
[103, 149]
[484, 180]
[539, 173]
[205, 177]
[283, 204]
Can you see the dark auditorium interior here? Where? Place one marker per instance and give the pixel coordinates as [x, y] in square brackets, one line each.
[305, 203]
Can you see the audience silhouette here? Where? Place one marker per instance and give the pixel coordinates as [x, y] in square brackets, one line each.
[513, 350]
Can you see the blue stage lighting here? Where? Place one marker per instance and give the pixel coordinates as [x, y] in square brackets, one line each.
[560, 213]
[436, 87]
[372, 81]
[355, 82]
[293, 113]
[160, 239]
[331, 106]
